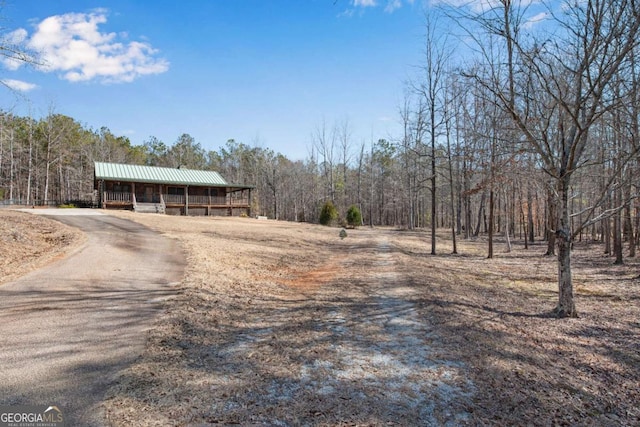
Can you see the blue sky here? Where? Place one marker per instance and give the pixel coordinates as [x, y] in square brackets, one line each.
[263, 72]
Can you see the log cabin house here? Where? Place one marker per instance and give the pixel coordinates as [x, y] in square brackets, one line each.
[172, 191]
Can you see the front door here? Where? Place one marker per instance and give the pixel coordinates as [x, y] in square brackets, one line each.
[148, 194]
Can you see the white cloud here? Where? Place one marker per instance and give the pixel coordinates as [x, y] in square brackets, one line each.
[390, 5]
[536, 19]
[474, 5]
[480, 6]
[18, 85]
[364, 3]
[73, 45]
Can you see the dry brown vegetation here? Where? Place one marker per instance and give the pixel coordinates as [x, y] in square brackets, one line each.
[286, 324]
[29, 241]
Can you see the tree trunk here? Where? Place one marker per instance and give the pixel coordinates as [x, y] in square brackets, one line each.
[46, 174]
[606, 231]
[617, 230]
[468, 228]
[628, 224]
[491, 223]
[459, 213]
[371, 189]
[11, 167]
[507, 225]
[60, 193]
[433, 195]
[551, 222]
[530, 214]
[480, 212]
[617, 239]
[566, 305]
[635, 236]
[524, 221]
[30, 167]
[452, 194]
[634, 233]
[275, 205]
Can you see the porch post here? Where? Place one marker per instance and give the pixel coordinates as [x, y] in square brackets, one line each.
[103, 194]
[186, 201]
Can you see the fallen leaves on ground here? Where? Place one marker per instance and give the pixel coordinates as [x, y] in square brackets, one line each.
[287, 324]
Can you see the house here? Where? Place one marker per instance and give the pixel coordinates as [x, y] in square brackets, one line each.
[175, 191]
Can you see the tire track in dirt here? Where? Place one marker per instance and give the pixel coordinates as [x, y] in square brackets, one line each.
[386, 347]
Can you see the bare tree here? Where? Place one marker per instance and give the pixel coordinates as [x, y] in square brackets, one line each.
[449, 119]
[431, 89]
[572, 74]
[343, 135]
[413, 123]
[324, 141]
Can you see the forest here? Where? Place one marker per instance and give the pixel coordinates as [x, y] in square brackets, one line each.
[534, 135]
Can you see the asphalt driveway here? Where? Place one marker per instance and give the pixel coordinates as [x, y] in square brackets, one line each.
[66, 330]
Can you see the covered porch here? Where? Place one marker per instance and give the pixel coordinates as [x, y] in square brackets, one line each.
[173, 198]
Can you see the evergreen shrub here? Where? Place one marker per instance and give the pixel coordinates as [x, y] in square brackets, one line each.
[354, 217]
[328, 214]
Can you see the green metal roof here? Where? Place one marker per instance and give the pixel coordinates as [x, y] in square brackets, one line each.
[157, 175]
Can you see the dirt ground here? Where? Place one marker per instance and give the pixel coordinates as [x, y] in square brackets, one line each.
[30, 241]
[287, 324]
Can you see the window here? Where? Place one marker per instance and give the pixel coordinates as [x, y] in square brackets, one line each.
[177, 191]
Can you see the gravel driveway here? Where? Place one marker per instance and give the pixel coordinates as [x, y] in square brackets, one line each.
[67, 329]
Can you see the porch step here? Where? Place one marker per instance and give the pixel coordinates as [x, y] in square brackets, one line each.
[149, 207]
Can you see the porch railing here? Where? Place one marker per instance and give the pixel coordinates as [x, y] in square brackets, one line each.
[198, 200]
[239, 201]
[174, 198]
[117, 196]
[217, 200]
[205, 200]
[126, 197]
